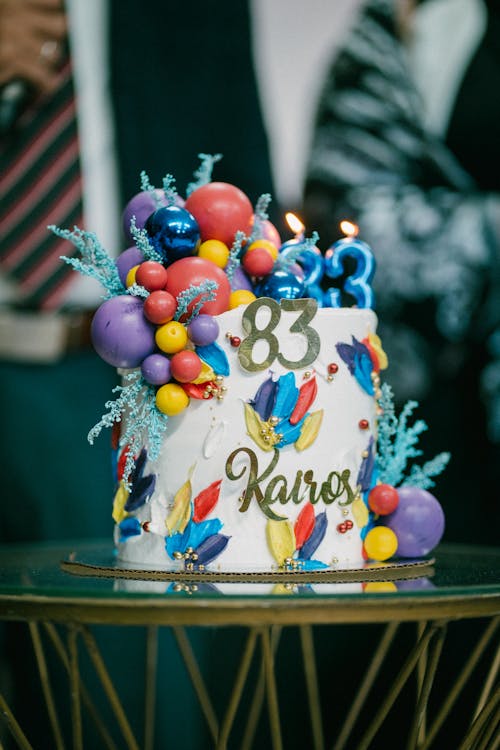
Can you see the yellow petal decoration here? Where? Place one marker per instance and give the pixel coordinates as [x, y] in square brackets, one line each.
[360, 512]
[179, 517]
[309, 431]
[119, 500]
[376, 345]
[206, 374]
[281, 540]
[257, 429]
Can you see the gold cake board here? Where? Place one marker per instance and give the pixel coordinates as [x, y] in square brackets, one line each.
[95, 566]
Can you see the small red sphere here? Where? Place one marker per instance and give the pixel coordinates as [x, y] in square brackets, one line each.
[160, 307]
[383, 499]
[151, 275]
[258, 262]
[235, 341]
[185, 366]
[348, 524]
[342, 527]
[363, 424]
[332, 368]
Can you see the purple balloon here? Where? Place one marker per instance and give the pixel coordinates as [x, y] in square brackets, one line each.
[156, 369]
[120, 333]
[127, 260]
[418, 522]
[203, 330]
[240, 280]
[142, 205]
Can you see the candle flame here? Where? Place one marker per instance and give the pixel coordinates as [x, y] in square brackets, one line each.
[348, 228]
[294, 222]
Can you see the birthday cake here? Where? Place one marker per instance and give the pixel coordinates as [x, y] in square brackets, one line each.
[251, 429]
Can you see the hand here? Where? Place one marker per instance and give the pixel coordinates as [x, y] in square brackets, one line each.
[32, 33]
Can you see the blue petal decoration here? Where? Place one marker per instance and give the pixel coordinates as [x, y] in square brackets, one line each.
[138, 469]
[358, 360]
[264, 398]
[140, 493]
[286, 396]
[200, 531]
[215, 357]
[175, 543]
[346, 352]
[311, 545]
[211, 548]
[129, 527]
[313, 565]
[290, 432]
[365, 473]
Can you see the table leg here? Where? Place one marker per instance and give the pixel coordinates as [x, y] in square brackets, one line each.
[74, 682]
[306, 638]
[272, 694]
[13, 726]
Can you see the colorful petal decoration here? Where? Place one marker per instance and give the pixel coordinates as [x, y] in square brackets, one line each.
[359, 362]
[215, 356]
[120, 467]
[281, 540]
[289, 432]
[304, 524]
[263, 402]
[309, 431]
[129, 527]
[206, 500]
[175, 543]
[307, 394]
[119, 501]
[374, 344]
[140, 493]
[206, 375]
[360, 512]
[255, 427]
[196, 533]
[286, 396]
[178, 518]
[194, 390]
[313, 565]
[311, 545]
[211, 548]
[365, 474]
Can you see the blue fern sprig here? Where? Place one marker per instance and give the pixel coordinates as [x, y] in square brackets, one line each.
[145, 423]
[285, 262]
[94, 261]
[169, 189]
[397, 442]
[143, 242]
[235, 254]
[260, 215]
[206, 291]
[203, 175]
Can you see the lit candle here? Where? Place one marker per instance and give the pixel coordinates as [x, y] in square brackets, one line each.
[358, 282]
[309, 261]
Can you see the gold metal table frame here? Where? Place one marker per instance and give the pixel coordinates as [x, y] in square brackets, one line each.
[60, 611]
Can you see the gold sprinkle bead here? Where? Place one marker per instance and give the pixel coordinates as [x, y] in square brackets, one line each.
[335, 560]
[345, 512]
[307, 375]
[194, 587]
[229, 335]
[177, 587]
[178, 556]
[201, 567]
[219, 379]
[189, 566]
[330, 378]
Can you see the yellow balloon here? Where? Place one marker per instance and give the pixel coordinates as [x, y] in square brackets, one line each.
[171, 337]
[240, 297]
[381, 543]
[380, 587]
[171, 399]
[215, 251]
[130, 277]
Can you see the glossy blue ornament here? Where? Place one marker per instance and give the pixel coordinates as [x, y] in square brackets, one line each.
[174, 233]
[358, 283]
[281, 285]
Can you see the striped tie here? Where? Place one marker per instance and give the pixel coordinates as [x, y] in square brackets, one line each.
[40, 184]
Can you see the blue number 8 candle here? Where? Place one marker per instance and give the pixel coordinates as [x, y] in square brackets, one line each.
[358, 283]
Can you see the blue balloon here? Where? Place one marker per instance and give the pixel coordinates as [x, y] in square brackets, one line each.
[281, 285]
[358, 284]
[174, 233]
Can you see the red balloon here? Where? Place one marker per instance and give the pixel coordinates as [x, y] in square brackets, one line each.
[151, 275]
[383, 499]
[193, 271]
[160, 307]
[258, 262]
[185, 366]
[220, 210]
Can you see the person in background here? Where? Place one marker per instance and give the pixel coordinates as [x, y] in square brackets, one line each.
[406, 145]
[155, 84]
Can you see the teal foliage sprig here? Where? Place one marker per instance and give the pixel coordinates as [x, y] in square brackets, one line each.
[396, 446]
[94, 261]
[142, 241]
[147, 187]
[260, 215]
[285, 262]
[235, 254]
[136, 290]
[144, 421]
[206, 293]
[169, 189]
[203, 175]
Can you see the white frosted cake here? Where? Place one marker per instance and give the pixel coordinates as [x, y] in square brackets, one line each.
[251, 431]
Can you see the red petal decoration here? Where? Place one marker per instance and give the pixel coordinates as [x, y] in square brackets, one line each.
[195, 390]
[206, 501]
[304, 524]
[120, 468]
[307, 394]
[373, 354]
